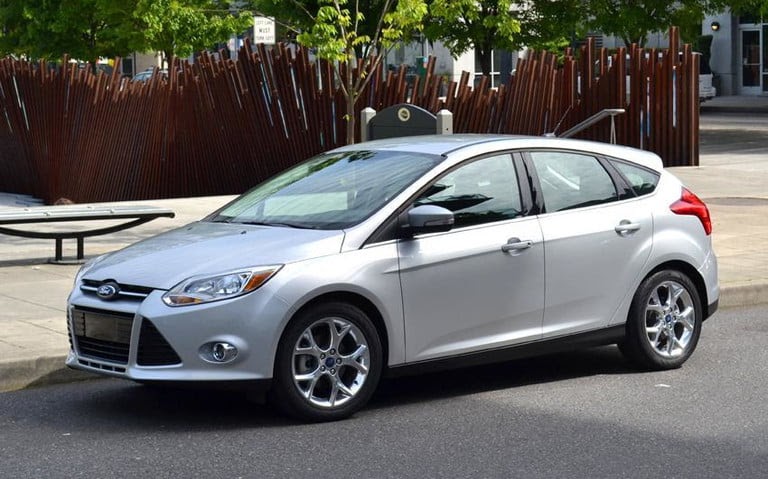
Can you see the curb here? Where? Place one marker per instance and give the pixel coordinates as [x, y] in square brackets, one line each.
[42, 371]
[749, 293]
[49, 370]
[753, 109]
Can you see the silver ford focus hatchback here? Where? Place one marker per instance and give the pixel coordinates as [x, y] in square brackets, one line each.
[407, 255]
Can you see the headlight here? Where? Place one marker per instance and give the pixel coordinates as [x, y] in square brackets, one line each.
[204, 289]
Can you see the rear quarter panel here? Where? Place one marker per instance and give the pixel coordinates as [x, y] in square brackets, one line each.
[676, 238]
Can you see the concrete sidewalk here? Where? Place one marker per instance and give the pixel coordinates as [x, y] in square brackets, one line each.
[732, 180]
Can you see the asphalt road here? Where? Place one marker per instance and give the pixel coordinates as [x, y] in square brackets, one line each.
[585, 414]
[725, 133]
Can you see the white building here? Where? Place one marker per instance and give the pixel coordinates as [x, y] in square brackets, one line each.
[451, 68]
[739, 53]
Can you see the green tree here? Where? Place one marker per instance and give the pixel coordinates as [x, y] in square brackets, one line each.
[756, 8]
[84, 29]
[484, 25]
[13, 27]
[633, 20]
[181, 27]
[550, 25]
[297, 16]
[336, 31]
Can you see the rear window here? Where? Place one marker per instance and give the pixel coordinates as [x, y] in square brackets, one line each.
[641, 180]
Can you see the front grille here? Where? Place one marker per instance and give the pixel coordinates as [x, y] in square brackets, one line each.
[106, 350]
[127, 291]
[102, 366]
[102, 334]
[154, 350]
[69, 330]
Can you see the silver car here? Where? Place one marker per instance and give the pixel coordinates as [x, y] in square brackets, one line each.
[405, 255]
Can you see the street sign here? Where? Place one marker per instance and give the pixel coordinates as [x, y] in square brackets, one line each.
[264, 30]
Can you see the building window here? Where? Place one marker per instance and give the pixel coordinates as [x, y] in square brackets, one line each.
[495, 74]
[502, 64]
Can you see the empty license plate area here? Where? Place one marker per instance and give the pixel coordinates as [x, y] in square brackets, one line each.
[102, 326]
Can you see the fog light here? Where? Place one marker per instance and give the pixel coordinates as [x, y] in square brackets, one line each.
[223, 352]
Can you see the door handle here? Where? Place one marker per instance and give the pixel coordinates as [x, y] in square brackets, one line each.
[515, 244]
[625, 227]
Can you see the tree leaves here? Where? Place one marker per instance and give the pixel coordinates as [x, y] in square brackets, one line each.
[179, 28]
[634, 20]
[89, 29]
[484, 25]
[339, 32]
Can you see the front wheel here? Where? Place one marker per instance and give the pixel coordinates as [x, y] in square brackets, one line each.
[664, 321]
[328, 363]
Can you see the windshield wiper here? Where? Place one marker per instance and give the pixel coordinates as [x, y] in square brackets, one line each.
[269, 223]
[221, 219]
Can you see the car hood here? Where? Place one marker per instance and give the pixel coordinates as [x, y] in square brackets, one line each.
[165, 260]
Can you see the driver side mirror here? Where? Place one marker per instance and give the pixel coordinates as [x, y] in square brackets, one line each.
[427, 219]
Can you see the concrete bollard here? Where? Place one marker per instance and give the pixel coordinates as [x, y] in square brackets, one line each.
[366, 115]
[444, 122]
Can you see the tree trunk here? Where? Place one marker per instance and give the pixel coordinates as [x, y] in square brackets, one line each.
[350, 97]
[638, 40]
[351, 120]
[485, 60]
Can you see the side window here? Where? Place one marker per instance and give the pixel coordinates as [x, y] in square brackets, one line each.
[572, 180]
[641, 180]
[483, 191]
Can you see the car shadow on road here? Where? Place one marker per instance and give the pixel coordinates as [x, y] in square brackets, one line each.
[125, 406]
[130, 406]
[510, 374]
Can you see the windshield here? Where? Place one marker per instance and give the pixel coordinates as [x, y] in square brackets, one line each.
[330, 191]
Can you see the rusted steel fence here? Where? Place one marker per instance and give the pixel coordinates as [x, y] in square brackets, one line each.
[221, 126]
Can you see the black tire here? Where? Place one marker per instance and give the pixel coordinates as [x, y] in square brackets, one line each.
[335, 371]
[664, 335]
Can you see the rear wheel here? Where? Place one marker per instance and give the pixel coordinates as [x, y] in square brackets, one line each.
[328, 363]
[664, 321]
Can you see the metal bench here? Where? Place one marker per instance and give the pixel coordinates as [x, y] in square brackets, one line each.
[137, 215]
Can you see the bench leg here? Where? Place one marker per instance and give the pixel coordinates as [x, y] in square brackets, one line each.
[80, 247]
[58, 249]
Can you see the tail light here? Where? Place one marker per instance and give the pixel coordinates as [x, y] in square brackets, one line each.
[690, 204]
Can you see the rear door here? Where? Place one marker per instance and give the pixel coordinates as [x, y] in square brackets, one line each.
[480, 285]
[597, 237]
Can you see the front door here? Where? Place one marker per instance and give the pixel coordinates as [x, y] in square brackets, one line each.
[480, 285]
[751, 70]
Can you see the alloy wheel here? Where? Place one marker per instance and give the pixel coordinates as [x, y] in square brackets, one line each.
[331, 361]
[670, 319]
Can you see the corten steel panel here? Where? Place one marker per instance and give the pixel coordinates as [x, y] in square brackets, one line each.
[402, 120]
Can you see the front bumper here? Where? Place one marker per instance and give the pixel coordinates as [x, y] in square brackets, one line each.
[143, 339]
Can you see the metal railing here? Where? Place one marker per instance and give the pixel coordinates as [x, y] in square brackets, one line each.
[592, 120]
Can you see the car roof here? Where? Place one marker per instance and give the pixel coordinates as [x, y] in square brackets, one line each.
[446, 144]
[430, 144]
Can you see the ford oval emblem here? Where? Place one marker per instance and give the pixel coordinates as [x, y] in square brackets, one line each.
[108, 291]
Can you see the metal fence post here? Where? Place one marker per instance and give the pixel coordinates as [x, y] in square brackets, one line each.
[444, 122]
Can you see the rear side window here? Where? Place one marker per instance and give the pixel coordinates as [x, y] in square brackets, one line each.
[641, 180]
[572, 180]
